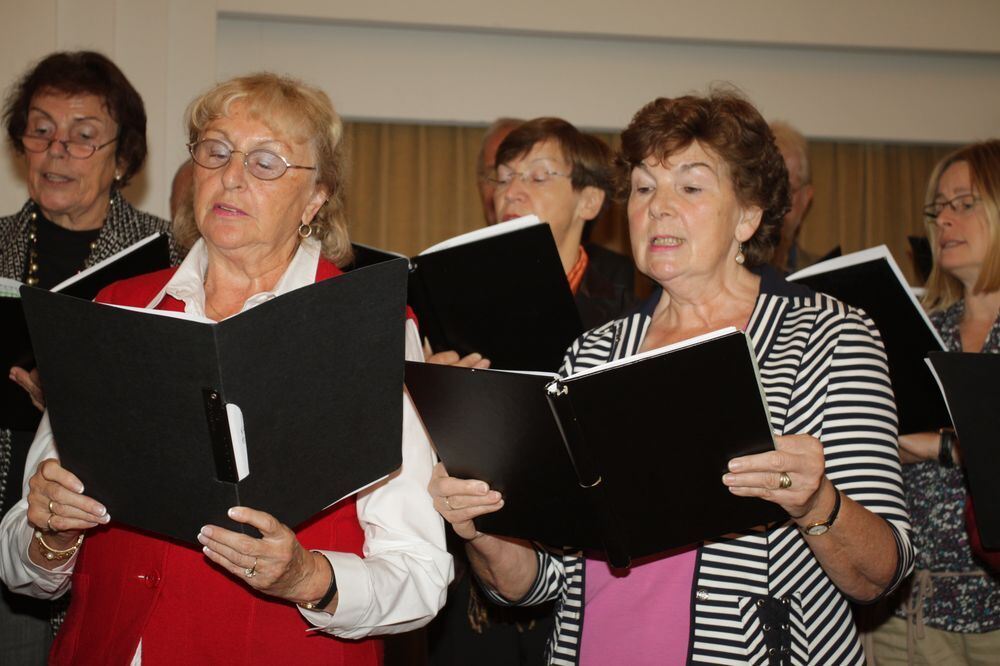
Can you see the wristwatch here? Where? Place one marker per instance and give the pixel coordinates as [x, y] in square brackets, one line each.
[330, 591]
[816, 529]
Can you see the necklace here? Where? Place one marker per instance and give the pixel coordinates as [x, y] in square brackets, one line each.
[31, 278]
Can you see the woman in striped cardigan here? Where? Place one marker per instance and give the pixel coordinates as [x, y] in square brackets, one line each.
[707, 189]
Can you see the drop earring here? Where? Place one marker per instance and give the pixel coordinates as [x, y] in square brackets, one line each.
[740, 257]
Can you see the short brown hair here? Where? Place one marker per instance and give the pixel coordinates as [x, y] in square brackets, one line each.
[983, 158]
[589, 157]
[83, 73]
[729, 126]
[304, 114]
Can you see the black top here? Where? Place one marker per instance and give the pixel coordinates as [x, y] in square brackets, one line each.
[60, 253]
[607, 289]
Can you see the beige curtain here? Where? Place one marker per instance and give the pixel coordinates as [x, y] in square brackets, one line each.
[868, 194]
[411, 186]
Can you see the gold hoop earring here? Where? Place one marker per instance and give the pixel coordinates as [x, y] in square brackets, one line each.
[305, 230]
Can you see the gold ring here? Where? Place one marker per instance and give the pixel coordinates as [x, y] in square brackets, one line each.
[250, 572]
[48, 523]
[784, 481]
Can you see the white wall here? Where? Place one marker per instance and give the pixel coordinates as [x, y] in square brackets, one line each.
[855, 69]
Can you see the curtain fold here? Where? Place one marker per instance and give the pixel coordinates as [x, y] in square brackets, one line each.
[411, 186]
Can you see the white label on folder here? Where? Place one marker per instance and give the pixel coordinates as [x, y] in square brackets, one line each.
[238, 435]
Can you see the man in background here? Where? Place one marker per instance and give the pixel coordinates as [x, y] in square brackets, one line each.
[788, 255]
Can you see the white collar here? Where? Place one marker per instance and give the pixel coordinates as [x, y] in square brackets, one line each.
[188, 283]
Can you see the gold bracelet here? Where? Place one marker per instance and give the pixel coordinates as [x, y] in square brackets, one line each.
[51, 554]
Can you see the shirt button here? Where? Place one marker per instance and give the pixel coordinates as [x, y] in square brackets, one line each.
[150, 579]
[701, 594]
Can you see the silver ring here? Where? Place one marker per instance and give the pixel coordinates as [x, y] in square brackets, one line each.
[784, 481]
[250, 572]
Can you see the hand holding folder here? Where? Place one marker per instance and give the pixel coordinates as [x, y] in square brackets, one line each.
[287, 407]
[617, 457]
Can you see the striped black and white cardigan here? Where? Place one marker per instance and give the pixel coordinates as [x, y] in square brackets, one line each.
[824, 372]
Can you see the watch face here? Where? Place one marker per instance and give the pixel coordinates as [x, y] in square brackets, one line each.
[816, 530]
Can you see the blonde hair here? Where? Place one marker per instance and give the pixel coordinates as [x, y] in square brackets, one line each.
[300, 112]
[983, 158]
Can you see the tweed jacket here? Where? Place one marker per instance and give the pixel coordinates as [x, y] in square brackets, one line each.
[824, 373]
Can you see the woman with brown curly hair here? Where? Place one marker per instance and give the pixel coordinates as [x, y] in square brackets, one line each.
[707, 189]
[78, 126]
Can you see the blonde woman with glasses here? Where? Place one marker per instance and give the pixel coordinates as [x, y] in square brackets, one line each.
[950, 612]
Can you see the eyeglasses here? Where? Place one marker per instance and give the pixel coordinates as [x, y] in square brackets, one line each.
[960, 205]
[533, 179]
[262, 164]
[75, 149]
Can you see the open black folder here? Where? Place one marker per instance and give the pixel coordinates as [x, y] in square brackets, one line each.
[871, 280]
[16, 411]
[287, 407]
[500, 291]
[627, 457]
[970, 384]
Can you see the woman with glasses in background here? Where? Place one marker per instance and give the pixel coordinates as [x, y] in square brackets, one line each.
[950, 613]
[265, 217]
[548, 168]
[80, 127]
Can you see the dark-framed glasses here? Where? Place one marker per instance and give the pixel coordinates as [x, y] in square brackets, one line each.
[79, 150]
[960, 205]
[536, 177]
[260, 163]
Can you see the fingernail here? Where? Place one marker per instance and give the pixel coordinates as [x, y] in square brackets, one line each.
[482, 488]
[101, 510]
[201, 538]
[735, 465]
[494, 495]
[233, 512]
[727, 478]
[106, 518]
[206, 530]
[205, 550]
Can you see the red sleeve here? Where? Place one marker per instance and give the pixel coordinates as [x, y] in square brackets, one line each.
[991, 558]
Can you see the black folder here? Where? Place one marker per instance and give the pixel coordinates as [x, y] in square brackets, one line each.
[628, 457]
[141, 411]
[872, 281]
[503, 295]
[970, 384]
[16, 411]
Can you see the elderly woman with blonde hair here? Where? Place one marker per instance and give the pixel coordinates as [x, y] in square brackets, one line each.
[267, 222]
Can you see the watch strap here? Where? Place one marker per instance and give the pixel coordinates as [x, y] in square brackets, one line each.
[331, 591]
[816, 529]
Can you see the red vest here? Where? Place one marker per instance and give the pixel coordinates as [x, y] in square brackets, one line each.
[128, 585]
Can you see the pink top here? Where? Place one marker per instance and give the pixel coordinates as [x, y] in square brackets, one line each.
[640, 615]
